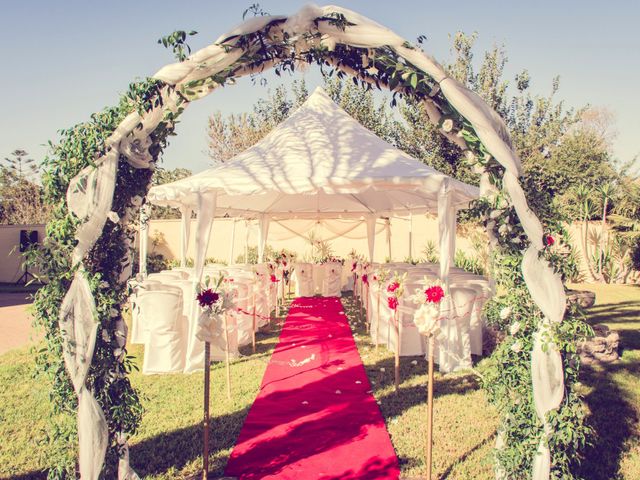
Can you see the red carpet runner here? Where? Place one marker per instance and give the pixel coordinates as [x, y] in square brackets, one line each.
[314, 417]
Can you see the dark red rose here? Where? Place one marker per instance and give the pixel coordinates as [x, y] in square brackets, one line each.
[549, 240]
[207, 297]
[365, 279]
[393, 287]
[392, 302]
[434, 294]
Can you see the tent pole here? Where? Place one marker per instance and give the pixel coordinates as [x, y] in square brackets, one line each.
[246, 241]
[411, 235]
[185, 224]
[388, 222]
[233, 241]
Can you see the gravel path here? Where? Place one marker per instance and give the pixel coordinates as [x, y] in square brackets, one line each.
[15, 322]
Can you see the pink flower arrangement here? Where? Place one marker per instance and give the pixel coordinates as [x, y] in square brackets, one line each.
[393, 286]
[273, 278]
[392, 302]
[207, 298]
[434, 294]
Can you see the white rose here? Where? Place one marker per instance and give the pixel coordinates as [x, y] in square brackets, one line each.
[447, 125]
[105, 336]
[517, 346]
[104, 284]
[113, 216]
[503, 230]
[471, 157]
[505, 313]
[136, 201]
[495, 213]
[514, 328]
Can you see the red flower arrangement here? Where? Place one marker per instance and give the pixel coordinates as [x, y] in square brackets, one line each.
[434, 294]
[273, 278]
[393, 286]
[548, 240]
[392, 302]
[207, 298]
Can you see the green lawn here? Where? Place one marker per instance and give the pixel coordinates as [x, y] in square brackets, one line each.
[169, 442]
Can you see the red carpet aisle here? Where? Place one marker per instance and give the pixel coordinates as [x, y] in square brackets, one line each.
[314, 417]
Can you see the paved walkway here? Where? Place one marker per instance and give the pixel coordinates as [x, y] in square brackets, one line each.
[15, 322]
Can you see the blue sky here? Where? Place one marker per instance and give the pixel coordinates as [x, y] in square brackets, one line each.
[64, 60]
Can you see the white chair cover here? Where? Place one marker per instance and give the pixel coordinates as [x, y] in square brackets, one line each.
[332, 281]
[303, 273]
[165, 348]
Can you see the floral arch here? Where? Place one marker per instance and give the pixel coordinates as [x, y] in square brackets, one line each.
[99, 174]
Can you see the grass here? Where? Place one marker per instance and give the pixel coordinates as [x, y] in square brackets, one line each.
[168, 444]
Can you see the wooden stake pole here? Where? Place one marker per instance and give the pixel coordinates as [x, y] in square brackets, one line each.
[430, 408]
[378, 320]
[366, 309]
[207, 381]
[397, 366]
[361, 289]
[226, 356]
[253, 330]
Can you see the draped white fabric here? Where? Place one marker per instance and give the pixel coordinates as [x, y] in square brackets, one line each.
[371, 236]
[205, 208]
[264, 233]
[185, 230]
[278, 174]
[143, 251]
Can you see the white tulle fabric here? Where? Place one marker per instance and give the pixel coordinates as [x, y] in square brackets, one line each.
[78, 325]
[131, 140]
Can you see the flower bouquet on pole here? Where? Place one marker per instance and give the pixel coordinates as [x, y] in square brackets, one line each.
[214, 302]
[395, 290]
[363, 270]
[427, 319]
[379, 279]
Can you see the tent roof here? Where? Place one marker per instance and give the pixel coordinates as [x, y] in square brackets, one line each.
[318, 163]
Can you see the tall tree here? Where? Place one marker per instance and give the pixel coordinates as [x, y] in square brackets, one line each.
[160, 177]
[21, 198]
[20, 165]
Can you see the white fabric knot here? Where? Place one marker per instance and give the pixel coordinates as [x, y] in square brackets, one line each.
[426, 319]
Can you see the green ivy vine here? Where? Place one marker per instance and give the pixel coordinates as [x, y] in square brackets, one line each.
[507, 378]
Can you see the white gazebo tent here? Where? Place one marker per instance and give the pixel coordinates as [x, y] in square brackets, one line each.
[318, 164]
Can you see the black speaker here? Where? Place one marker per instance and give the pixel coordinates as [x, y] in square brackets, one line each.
[28, 238]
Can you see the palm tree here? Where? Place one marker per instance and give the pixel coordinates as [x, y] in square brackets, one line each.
[606, 191]
[587, 211]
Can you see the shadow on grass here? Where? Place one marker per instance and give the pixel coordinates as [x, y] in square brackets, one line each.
[177, 448]
[622, 317]
[614, 417]
[35, 475]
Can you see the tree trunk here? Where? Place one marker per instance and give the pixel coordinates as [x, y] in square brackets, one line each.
[585, 247]
[603, 228]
